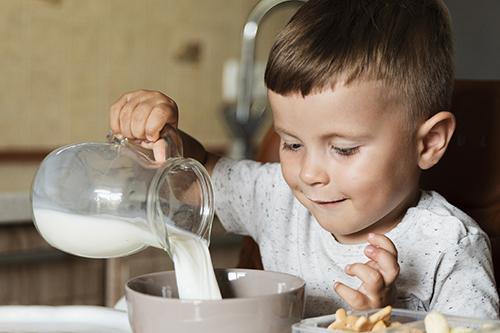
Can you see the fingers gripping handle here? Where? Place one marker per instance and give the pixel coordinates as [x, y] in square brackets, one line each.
[173, 140]
[172, 143]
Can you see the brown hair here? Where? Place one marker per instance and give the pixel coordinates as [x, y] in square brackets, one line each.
[405, 43]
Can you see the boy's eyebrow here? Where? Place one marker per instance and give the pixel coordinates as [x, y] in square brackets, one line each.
[280, 130]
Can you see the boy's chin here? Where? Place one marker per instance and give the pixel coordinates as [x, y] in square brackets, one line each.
[351, 238]
[343, 235]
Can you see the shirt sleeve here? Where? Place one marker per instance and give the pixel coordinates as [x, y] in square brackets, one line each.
[242, 194]
[465, 284]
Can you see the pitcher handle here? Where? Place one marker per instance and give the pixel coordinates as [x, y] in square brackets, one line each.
[171, 135]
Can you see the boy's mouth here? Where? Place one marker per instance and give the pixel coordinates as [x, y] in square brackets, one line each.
[327, 202]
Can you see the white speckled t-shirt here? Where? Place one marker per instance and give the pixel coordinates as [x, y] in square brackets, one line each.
[444, 257]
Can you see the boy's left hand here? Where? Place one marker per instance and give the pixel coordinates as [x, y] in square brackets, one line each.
[378, 275]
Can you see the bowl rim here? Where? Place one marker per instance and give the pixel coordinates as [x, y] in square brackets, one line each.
[300, 280]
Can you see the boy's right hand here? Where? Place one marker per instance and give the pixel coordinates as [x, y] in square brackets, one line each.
[141, 115]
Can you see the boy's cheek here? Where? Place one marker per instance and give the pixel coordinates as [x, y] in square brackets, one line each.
[290, 168]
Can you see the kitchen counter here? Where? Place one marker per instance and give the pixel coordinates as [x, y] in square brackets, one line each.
[63, 318]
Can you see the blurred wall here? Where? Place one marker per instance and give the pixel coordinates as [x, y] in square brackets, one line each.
[477, 46]
[64, 62]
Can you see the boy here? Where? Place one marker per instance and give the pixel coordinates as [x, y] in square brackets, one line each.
[359, 91]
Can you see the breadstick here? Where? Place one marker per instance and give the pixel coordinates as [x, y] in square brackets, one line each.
[360, 324]
[350, 320]
[337, 325]
[436, 323]
[381, 314]
[378, 325]
[340, 315]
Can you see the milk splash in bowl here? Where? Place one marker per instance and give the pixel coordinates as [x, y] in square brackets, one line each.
[107, 237]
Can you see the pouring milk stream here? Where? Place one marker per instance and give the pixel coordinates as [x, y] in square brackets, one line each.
[103, 200]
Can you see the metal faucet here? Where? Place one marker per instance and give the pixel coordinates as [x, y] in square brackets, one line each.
[241, 121]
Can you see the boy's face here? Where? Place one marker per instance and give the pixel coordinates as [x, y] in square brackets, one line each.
[348, 156]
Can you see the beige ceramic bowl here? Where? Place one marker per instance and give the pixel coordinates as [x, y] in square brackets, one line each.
[253, 301]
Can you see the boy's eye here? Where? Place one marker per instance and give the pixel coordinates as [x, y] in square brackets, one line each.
[291, 146]
[345, 151]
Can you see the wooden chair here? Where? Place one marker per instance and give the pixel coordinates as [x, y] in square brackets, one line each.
[468, 175]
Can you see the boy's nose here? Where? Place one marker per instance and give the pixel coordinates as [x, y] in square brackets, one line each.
[313, 170]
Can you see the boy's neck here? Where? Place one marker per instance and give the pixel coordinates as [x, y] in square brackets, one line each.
[384, 225]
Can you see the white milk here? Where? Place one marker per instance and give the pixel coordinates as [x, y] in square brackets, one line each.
[193, 267]
[89, 236]
[99, 237]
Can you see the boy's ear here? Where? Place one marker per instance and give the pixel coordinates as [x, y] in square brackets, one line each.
[433, 137]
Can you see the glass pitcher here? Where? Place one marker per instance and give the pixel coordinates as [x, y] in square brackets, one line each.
[103, 200]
